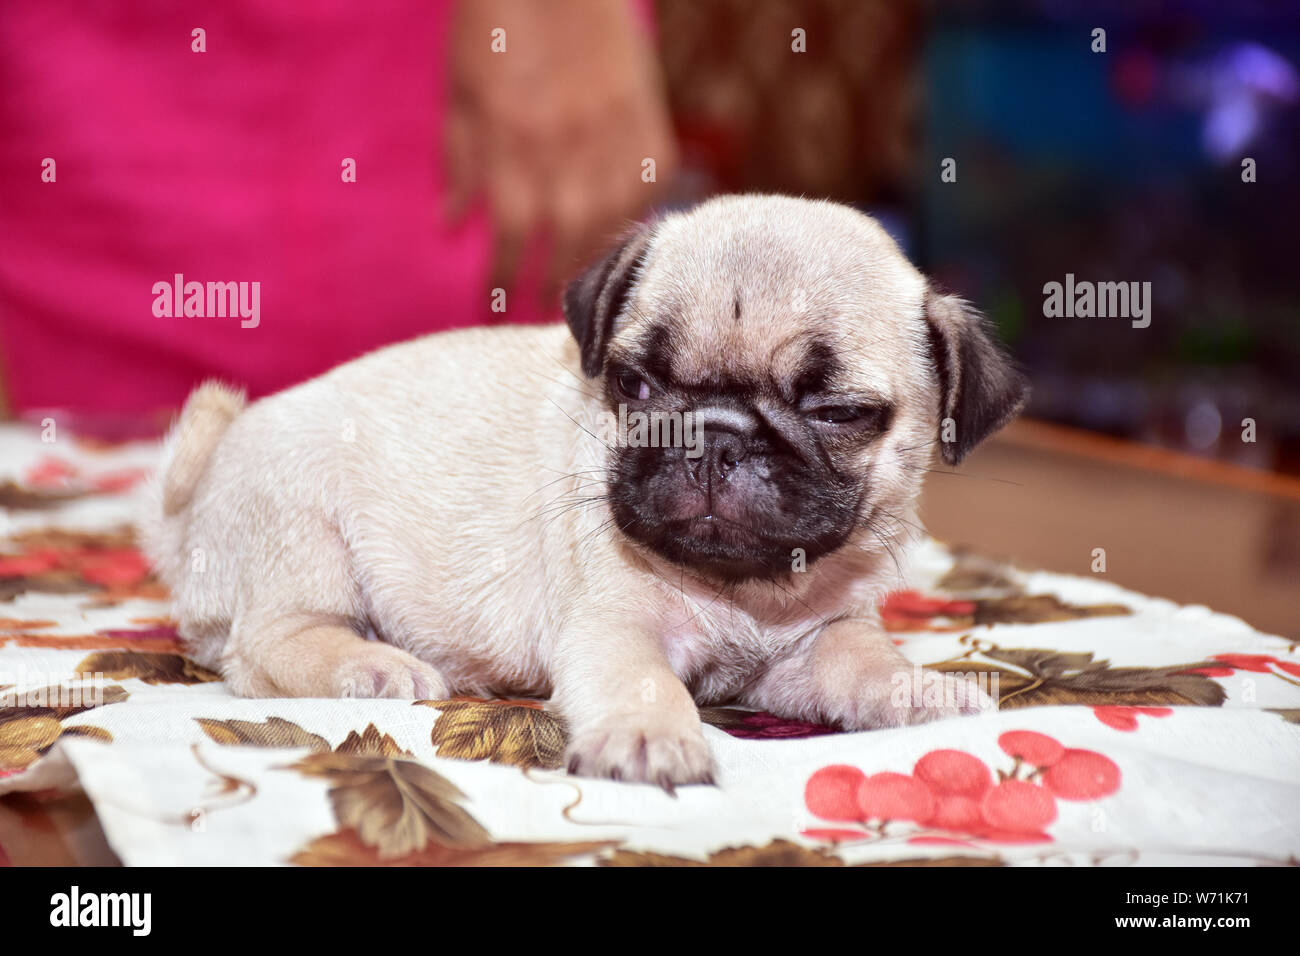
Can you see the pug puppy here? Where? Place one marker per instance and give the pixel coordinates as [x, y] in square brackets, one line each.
[456, 515]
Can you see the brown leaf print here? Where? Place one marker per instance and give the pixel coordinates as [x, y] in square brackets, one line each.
[278, 732]
[60, 700]
[89, 732]
[1044, 677]
[776, 853]
[507, 732]
[973, 572]
[272, 732]
[1040, 609]
[156, 639]
[152, 668]
[397, 806]
[16, 497]
[24, 739]
[121, 538]
[371, 743]
[51, 582]
[779, 853]
[28, 730]
[908, 611]
[346, 848]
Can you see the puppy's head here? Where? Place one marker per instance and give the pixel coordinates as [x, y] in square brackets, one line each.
[782, 377]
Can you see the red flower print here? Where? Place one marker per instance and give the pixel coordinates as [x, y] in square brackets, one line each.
[953, 798]
[954, 772]
[895, 796]
[49, 473]
[107, 567]
[1017, 806]
[1126, 718]
[1211, 671]
[911, 607]
[55, 474]
[832, 792]
[1031, 747]
[25, 565]
[114, 567]
[957, 813]
[111, 482]
[1082, 775]
[1254, 663]
[834, 836]
[1246, 662]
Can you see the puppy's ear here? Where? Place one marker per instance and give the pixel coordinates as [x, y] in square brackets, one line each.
[979, 388]
[594, 299]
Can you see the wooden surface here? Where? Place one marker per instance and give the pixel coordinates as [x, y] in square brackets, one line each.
[1194, 531]
[48, 829]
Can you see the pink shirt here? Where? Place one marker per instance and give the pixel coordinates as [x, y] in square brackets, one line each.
[224, 166]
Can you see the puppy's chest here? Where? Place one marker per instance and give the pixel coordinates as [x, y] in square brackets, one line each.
[717, 651]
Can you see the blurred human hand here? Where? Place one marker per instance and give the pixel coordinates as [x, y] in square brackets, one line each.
[553, 131]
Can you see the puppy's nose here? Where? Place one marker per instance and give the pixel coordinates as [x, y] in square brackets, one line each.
[727, 451]
[723, 451]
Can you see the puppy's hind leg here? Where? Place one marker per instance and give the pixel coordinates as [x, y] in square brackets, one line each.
[321, 656]
[300, 632]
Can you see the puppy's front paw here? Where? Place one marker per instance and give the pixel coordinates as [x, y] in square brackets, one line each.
[900, 700]
[643, 748]
[373, 669]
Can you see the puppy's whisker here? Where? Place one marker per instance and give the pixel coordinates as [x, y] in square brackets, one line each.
[584, 471]
[585, 393]
[582, 426]
[605, 527]
[554, 511]
[921, 532]
[887, 544]
[962, 474]
[590, 536]
[924, 444]
[572, 474]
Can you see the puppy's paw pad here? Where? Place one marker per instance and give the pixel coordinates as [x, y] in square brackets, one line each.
[381, 670]
[641, 752]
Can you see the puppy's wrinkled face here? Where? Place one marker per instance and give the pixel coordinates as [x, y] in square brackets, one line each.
[768, 460]
[777, 358]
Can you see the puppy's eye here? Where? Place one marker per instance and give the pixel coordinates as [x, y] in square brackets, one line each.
[840, 414]
[855, 418]
[633, 386]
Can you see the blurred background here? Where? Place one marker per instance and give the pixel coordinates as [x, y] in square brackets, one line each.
[477, 172]
[1115, 166]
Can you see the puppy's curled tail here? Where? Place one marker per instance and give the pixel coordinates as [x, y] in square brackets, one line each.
[207, 414]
